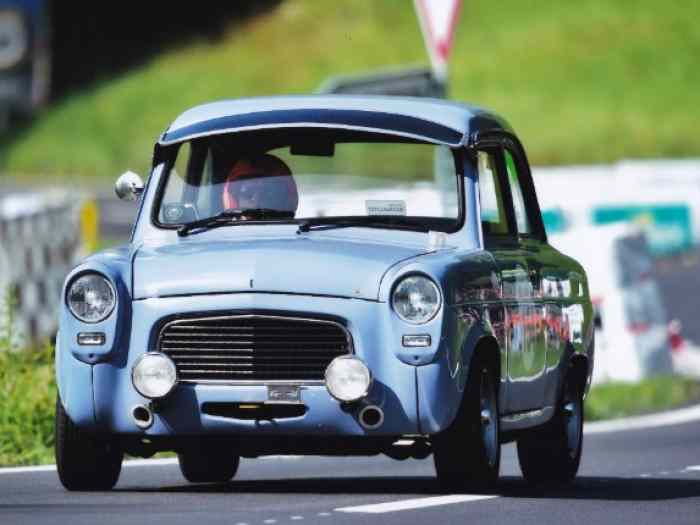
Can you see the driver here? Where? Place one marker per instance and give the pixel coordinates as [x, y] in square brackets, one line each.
[263, 181]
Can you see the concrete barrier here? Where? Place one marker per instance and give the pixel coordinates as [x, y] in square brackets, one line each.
[42, 236]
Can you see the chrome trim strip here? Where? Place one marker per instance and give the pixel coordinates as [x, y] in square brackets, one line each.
[251, 382]
[527, 419]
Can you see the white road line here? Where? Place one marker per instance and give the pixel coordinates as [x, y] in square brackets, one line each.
[662, 419]
[411, 504]
[128, 463]
[692, 467]
[22, 470]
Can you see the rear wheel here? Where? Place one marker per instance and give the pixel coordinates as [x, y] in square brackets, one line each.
[552, 454]
[83, 461]
[468, 453]
[210, 465]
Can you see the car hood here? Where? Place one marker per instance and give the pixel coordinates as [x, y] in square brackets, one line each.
[300, 265]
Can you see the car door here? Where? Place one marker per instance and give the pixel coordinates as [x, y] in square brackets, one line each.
[528, 368]
[501, 240]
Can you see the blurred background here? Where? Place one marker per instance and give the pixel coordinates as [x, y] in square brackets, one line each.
[602, 93]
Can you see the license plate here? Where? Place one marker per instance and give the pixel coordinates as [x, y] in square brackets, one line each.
[283, 394]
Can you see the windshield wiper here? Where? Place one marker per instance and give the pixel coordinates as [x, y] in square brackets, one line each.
[234, 217]
[383, 221]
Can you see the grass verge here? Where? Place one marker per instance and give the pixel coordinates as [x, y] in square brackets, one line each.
[27, 402]
[613, 400]
[28, 393]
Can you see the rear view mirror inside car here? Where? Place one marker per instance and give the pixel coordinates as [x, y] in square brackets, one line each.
[315, 148]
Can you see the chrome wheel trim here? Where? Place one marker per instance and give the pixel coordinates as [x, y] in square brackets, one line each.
[573, 419]
[488, 417]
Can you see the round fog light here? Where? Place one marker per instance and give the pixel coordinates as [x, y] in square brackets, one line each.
[348, 378]
[154, 375]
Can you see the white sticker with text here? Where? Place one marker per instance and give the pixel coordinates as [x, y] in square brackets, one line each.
[386, 207]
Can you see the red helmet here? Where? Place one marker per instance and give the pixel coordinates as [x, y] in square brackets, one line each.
[264, 180]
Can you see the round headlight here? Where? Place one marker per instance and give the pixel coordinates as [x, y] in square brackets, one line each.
[348, 378]
[154, 375]
[91, 298]
[416, 299]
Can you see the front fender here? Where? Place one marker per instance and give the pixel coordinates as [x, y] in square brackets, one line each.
[114, 265]
[75, 387]
[441, 384]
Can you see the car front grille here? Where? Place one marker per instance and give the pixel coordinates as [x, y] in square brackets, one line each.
[253, 348]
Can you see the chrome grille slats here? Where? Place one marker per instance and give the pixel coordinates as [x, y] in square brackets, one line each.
[253, 348]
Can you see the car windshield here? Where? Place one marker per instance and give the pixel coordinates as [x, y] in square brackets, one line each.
[315, 178]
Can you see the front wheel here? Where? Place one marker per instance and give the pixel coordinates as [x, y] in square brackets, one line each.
[83, 461]
[552, 454]
[468, 453]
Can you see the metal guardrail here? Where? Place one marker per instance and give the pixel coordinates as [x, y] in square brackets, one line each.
[42, 236]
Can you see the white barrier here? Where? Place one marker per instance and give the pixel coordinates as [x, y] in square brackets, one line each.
[40, 241]
[578, 190]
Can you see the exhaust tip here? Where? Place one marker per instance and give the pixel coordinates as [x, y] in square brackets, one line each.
[143, 417]
[371, 417]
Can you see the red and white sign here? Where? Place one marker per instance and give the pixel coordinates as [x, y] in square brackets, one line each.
[438, 19]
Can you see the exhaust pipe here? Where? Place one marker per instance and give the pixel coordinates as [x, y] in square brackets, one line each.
[371, 417]
[143, 417]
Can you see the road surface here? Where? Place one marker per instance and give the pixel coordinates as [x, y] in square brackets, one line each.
[645, 476]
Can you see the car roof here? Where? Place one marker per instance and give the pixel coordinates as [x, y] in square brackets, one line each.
[432, 120]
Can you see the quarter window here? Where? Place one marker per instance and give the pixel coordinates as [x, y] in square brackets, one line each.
[519, 208]
[493, 214]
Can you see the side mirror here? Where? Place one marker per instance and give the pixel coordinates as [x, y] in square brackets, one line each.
[128, 186]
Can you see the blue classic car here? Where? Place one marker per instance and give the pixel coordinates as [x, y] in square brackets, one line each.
[331, 275]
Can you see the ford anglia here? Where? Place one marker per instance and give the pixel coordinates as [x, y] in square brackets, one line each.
[331, 275]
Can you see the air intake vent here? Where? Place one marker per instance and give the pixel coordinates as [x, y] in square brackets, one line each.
[253, 348]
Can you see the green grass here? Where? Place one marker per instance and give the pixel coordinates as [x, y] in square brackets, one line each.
[592, 82]
[27, 401]
[614, 400]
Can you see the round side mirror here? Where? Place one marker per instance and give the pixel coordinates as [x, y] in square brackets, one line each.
[128, 186]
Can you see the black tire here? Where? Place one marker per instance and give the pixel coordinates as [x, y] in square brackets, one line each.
[468, 454]
[84, 462]
[213, 465]
[552, 453]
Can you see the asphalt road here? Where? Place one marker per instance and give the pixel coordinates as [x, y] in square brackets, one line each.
[648, 476]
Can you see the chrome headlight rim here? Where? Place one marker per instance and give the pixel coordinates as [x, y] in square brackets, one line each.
[146, 355]
[432, 282]
[369, 382]
[111, 286]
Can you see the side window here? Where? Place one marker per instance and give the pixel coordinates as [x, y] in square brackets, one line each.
[521, 216]
[493, 212]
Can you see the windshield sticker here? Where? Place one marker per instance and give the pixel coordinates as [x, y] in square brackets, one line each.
[386, 207]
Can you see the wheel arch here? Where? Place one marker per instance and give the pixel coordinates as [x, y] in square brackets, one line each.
[577, 372]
